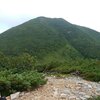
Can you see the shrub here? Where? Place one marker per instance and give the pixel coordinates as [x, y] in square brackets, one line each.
[20, 82]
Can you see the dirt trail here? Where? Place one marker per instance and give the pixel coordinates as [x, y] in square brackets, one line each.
[70, 88]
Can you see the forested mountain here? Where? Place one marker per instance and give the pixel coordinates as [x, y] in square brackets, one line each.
[51, 37]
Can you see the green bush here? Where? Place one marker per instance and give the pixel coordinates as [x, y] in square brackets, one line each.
[47, 67]
[20, 82]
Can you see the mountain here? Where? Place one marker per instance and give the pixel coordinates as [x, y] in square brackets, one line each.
[51, 39]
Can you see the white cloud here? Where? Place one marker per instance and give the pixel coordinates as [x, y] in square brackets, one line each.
[82, 12]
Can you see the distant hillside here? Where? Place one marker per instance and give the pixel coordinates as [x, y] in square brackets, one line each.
[51, 39]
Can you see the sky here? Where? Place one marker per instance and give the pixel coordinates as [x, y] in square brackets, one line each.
[80, 12]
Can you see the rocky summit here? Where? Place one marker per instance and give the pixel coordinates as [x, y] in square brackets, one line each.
[69, 88]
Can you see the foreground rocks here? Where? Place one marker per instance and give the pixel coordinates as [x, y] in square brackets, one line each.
[70, 88]
[15, 96]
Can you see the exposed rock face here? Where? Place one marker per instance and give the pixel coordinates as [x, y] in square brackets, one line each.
[70, 88]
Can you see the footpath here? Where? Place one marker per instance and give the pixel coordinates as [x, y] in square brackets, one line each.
[69, 88]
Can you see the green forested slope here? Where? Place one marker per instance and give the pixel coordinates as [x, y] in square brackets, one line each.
[42, 37]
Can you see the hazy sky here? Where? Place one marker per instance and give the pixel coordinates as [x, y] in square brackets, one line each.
[81, 12]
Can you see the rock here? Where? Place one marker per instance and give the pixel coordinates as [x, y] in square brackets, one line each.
[76, 73]
[98, 90]
[89, 86]
[15, 96]
[8, 98]
[63, 96]
[66, 91]
[22, 94]
[78, 88]
[87, 96]
[72, 98]
[83, 98]
[55, 92]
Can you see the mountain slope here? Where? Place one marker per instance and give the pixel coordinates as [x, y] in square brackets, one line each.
[51, 38]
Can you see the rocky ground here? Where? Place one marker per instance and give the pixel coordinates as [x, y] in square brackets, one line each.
[69, 88]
